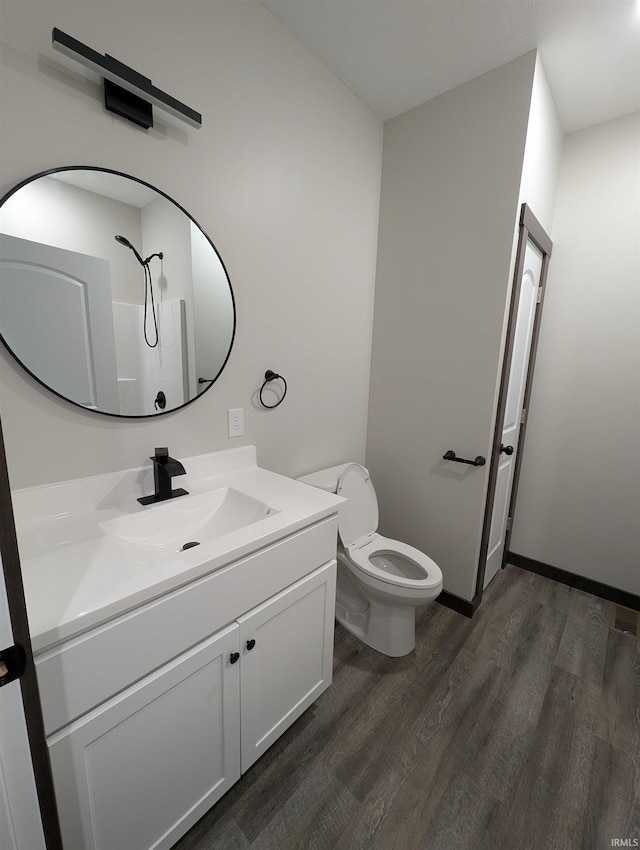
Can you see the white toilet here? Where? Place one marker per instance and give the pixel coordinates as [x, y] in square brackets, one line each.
[380, 581]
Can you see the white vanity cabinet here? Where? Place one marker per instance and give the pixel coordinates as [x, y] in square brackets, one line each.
[137, 766]
[140, 770]
[286, 659]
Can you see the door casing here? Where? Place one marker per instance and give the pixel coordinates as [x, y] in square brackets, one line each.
[28, 682]
[530, 230]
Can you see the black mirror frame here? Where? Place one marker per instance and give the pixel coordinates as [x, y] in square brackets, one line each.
[211, 381]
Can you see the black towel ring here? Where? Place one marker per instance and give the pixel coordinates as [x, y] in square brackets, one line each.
[268, 377]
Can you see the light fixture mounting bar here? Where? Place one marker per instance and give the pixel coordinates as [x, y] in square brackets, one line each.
[124, 76]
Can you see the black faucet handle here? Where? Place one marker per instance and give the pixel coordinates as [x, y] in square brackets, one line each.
[162, 453]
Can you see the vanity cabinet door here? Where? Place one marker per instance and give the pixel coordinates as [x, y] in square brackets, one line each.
[140, 770]
[286, 649]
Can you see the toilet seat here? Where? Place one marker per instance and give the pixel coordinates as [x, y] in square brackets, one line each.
[358, 517]
[357, 527]
[362, 557]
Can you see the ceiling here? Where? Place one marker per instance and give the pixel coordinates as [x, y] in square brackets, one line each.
[397, 54]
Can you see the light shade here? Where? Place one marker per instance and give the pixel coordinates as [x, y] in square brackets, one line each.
[127, 92]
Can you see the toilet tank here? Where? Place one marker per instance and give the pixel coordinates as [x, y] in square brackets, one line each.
[325, 479]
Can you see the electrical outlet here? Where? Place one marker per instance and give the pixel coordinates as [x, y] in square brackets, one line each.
[236, 422]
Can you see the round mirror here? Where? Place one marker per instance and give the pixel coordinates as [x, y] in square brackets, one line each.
[111, 295]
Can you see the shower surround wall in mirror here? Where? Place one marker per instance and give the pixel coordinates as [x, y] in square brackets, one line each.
[72, 297]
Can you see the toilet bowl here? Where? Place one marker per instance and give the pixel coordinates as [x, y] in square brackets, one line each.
[381, 581]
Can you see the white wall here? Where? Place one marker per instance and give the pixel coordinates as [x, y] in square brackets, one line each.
[284, 176]
[578, 506]
[542, 152]
[450, 192]
[538, 185]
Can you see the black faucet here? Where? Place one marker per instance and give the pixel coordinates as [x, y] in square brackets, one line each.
[164, 468]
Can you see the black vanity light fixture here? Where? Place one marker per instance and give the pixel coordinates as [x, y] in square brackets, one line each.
[126, 92]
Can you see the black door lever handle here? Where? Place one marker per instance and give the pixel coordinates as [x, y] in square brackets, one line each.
[507, 450]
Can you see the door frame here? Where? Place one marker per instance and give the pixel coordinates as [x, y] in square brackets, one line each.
[28, 681]
[530, 231]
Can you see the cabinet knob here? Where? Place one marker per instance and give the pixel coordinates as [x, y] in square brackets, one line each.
[234, 657]
[250, 644]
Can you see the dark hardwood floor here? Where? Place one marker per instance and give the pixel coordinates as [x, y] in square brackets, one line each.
[518, 729]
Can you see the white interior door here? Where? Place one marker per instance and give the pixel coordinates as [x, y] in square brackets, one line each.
[56, 316]
[20, 823]
[523, 334]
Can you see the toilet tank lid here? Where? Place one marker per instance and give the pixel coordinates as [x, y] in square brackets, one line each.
[325, 479]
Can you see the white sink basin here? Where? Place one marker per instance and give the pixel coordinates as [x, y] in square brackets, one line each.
[164, 529]
[90, 552]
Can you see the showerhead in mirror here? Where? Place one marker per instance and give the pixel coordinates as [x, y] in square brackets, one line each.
[124, 241]
[127, 244]
[148, 288]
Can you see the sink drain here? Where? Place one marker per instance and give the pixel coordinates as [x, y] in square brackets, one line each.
[190, 545]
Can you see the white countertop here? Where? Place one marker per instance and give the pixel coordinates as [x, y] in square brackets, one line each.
[76, 577]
